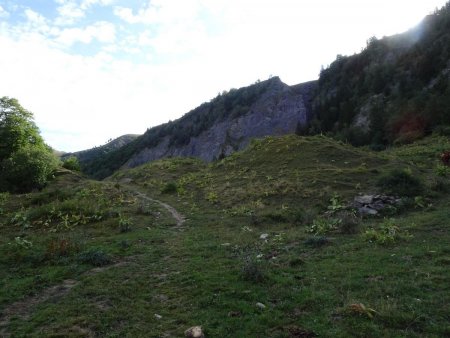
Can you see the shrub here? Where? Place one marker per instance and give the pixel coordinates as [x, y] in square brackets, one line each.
[72, 163]
[335, 203]
[251, 270]
[349, 222]
[322, 226]
[27, 169]
[61, 247]
[317, 241]
[20, 218]
[388, 233]
[212, 197]
[276, 216]
[94, 257]
[125, 224]
[439, 185]
[303, 216]
[442, 170]
[169, 188]
[400, 182]
[3, 197]
[442, 130]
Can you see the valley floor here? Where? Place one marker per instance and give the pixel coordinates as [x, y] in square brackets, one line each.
[233, 247]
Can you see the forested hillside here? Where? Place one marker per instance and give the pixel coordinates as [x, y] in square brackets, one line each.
[90, 154]
[396, 90]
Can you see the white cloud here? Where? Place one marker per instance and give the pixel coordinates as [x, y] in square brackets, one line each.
[71, 11]
[3, 12]
[68, 13]
[88, 3]
[126, 14]
[102, 31]
[194, 48]
[34, 17]
[160, 12]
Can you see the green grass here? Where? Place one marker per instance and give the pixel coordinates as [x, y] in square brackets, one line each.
[213, 269]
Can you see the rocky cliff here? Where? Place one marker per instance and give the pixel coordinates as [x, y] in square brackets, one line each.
[279, 110]
[216, 128]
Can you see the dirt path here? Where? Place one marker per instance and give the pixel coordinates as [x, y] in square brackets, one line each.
[23, 308]
[175, 214]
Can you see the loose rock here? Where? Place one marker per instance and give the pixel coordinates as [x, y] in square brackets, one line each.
[260, 306]
[365, 199]
[373, 204]
[194, 332]
[264, 236]
[367, 211]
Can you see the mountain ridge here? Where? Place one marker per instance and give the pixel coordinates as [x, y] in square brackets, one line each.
[88, 154]
[216, 128]
[396, 90]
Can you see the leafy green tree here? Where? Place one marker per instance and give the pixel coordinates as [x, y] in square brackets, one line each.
[26, 162]
[17, 128]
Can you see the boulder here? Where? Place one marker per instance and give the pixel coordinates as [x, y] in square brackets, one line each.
[367, 211]
[194, 332]
[364, 199]
[373, 204]
[260, 306]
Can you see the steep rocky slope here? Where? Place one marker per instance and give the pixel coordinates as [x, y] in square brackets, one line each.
[278, 111]
[217, 128]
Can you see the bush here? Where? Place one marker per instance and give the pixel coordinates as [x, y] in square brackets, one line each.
[388, 233]
[317, 241]
[61, 247]
[94, 257]
[349, 222]
[27, 169]
[125, 224]
[72, 163]
[322, 226]
[169, 188]
[251, 270]
[439, 185]
[400, 183]
[276, 216]
[303, 216]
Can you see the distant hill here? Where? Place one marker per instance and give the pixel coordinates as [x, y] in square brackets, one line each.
[396, 90]
[90, 154]
[217, 128]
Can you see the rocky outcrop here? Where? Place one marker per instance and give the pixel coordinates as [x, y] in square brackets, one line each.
[278, 111]
[374, 204]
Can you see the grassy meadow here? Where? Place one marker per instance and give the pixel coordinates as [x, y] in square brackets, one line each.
[269, 247]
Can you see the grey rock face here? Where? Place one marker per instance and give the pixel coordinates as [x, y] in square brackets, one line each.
[373, 204]
[364, 199]
[278, 111]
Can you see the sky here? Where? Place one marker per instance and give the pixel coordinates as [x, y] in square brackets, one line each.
[92, 70]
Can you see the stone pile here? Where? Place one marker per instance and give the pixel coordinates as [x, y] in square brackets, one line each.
[373, 204]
